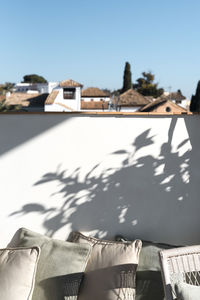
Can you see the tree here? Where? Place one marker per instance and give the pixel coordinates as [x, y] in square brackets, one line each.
[6, 87]
[145, 85]
[7, 107]
[34, 78]
[195, 101]
[127, 81]
[107, 91]
[116, 92]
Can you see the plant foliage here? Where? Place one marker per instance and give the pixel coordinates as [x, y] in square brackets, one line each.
[195, 101]
[7, 107]
[34, 78]
[145, 85]
[127, 81]
[6, 87]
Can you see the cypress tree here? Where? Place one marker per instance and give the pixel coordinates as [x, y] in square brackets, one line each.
[127, 81]
[193, 104]
[198, 97]
[195, 101]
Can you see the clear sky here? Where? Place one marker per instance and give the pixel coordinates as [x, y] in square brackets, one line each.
[90, 41]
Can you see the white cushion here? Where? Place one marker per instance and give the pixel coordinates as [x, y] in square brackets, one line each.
[185, 291]
[17, 272]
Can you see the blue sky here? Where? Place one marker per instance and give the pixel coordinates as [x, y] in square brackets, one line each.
[90, 41]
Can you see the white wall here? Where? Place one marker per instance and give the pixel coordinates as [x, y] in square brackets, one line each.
[105, 175]
[22, 87]
[184, 103]
[74, 104]
[51, 86]
[36, 88]
[95, 99]
[55, 108]
[129, 108]
[95, 110]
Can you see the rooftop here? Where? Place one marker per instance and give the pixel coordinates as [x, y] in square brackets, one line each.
[93, 92]
[94, 105]
[159, 101]
[132, 98]
[26, 100]
[70, 83]
[52, 96]
[177, 96]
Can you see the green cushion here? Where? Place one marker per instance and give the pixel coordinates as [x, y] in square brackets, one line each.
[185, 291]
[60, 267]
[149, 284]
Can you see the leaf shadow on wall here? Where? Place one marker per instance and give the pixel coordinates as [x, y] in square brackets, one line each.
[136, 199]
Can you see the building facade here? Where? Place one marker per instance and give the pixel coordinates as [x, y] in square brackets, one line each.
[65, 97]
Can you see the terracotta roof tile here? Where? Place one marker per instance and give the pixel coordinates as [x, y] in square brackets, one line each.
[51, 98]
[93, 92]
[177, 96]
[132, 98]
[70, 83]
[94, 105]
[161, 100]
[153, 104]
[27, 100]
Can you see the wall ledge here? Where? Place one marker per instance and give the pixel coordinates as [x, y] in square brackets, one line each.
[100, 113]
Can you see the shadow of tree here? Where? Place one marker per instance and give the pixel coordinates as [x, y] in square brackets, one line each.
[144, 193]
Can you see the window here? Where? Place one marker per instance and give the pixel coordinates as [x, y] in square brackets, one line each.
[168, 109]
[69, 93]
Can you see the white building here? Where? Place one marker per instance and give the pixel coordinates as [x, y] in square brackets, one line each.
[65, 97]
[35, 88]
[94, 94]
[94, 99]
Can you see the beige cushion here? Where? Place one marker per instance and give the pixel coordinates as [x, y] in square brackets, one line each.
[17, 272]
[149, 285]
[111, 269]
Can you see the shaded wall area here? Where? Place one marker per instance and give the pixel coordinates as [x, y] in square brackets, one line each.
[134, 176]
[17, 129]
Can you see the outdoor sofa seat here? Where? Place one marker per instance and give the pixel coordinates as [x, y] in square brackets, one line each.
[181, 272]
